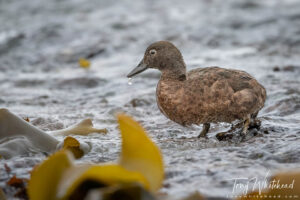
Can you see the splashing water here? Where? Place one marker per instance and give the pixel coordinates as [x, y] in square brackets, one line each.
[129, 81]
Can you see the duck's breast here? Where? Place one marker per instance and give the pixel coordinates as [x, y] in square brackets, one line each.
[170, 97]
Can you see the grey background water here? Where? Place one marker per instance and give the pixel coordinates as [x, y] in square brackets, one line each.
[41, 42]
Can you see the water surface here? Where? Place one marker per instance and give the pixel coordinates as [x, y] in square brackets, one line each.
[41, 42]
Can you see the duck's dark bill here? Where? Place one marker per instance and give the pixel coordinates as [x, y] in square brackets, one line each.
[140, 68]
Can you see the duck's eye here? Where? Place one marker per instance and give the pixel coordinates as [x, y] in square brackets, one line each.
[152, 51]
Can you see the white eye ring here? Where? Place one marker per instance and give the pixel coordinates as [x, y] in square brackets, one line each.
[152, 51]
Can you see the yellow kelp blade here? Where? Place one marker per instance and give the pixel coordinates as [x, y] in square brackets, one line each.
[45, 177]
[84, 63]
[139, 153]
[105, 175]
[73, 145]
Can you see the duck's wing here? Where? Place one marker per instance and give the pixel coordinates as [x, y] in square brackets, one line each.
[237, 79]
[228, 90]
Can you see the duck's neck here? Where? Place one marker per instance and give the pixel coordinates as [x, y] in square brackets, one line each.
[176, 73]
[173, 77]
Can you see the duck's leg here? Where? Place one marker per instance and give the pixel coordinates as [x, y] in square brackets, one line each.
[205, 130]
[246, 126]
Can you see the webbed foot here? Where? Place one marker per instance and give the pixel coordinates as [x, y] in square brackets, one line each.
[224, 136]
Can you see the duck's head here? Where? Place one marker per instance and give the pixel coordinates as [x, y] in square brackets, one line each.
[163, 56]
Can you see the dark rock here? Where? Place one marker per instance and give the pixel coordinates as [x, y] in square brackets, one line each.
[138, 103]
[276, 69]
[287, 68]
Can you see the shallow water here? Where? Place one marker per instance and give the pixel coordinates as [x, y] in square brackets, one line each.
[41, 41]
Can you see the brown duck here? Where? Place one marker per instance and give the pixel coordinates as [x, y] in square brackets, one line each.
[203, 95]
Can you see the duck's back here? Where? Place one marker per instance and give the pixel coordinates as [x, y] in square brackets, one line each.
[222, 95]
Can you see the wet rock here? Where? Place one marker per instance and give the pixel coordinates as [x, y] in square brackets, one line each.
[138, 103]
[237, 136]
[276, 69]
[287, 68]
[223, 136]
